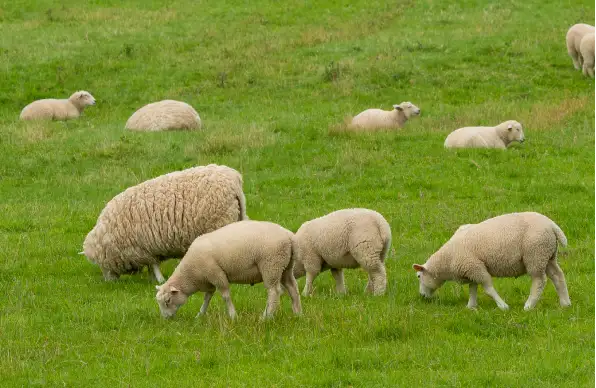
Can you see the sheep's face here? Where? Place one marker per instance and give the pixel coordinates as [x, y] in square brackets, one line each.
[83, 98]
[428, 283]
[408, 108]
[169, 299]
[515, 132]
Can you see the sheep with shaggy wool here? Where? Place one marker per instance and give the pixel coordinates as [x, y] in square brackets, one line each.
[159, 219]
[164, 115]
[586, 49]
[372, 119]
[573, 38]
[509, 245]
[58, 109]
[245, 252]
[348, 238]
[499, 136]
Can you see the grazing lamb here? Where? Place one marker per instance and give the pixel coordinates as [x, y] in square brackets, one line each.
[164, 115]
[159, 219]
[574, 38]
[53, 109]
[510, 245]
[486, 137]
[245, 252]
[586, 49]
[372, 119]
[348, 238]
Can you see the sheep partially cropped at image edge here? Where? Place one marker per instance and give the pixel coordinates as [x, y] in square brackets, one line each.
[573, 39]
[586, 48]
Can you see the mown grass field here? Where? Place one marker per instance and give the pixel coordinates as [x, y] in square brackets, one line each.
[271, 80]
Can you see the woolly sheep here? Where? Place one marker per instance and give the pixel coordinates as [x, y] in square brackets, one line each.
[382, 119]
[164, 115]
[509, 245]
[348, 238]
[159, 219]
[486, 137]
[587, 53]
[53, 109]
[245, 252]
[573, 39]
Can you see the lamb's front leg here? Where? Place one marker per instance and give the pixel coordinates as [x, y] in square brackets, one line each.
[205, 305]
[225, 294]
[490, 291]
[472, 302]
[338, 275]
[538, 283]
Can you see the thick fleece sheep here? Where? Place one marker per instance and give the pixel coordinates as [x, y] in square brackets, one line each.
[53, 109]
[499, 136]
[586, 49]
[510, 245]
[573, 39]
[348, 238]
[372, 119]
[164, 115]
[245, 252]
[160, 218]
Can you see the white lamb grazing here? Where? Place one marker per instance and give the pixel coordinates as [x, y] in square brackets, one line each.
[348, 238]
[245, 252]
[587, 53]
[372, 119]
[510, 245]
[53, 109]
[164, 115]
[158, 219]
[573, 39]
[486, 137]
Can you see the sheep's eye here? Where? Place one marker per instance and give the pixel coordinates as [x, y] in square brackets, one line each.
[418, 274]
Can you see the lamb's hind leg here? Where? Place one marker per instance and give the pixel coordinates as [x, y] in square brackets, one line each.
[368, 256]
[273, 293]
[289, 283]
[109, 276]
[338, 275]
[556, 275]
[538, 283]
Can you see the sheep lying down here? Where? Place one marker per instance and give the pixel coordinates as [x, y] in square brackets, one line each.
[373, 119]
[510, 245]
[58, 109]
[245, 252]
[499, 136]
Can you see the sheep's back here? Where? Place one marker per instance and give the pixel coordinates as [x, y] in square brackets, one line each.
[164, 115]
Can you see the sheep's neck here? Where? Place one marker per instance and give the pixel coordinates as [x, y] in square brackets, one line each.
[400, 118]
[439, 264]
[77, 105]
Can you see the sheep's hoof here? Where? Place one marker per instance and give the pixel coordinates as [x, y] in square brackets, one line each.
[504, 307]
[472, 307]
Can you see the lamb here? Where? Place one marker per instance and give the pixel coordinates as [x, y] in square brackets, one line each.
[509, 245]
[164, 115]
[245, 252]
[586, 49]
[53, 109]
[372, 119]
[573, 39]
[348, 238]
[160, 218]
[499, 136]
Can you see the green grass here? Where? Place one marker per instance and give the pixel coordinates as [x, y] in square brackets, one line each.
[270, 81]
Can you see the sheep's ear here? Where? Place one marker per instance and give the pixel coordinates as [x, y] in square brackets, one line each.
[397, 107]
[174, 290]
[418, 267]
[509, 127]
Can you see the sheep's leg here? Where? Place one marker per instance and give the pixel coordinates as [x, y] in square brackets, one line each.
[377, 277]
[225, 294]
[289, 283]
[556, 275]
[205, 305]
[273, 293]
[538, 283]
[308, 286]
[338, 275]
[576, 58]
[157, 275]
[490, 291]
[472, 302]
[109, 276]
[368, 256]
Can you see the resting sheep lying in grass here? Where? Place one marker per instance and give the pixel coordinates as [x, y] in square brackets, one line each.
[159, 219]
[586, 49]
[573, 39]
[164, 115]
[486, 137]
[245, 252]
[348, 238]
[510, 245]
[372, 119]
[53, 109]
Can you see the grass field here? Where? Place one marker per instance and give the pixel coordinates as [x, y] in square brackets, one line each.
[271, 80]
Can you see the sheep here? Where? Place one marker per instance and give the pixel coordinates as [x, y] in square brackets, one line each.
[348, 238]
[372, 119]
[245, 252]
[509, 245]
[53, 109]
[164, 115]
[573, 39]
[587, 54]
[159, 219]
[486, 137]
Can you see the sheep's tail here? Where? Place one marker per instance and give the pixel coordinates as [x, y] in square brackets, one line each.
[560, 235]
[385, 232]
[297, 267]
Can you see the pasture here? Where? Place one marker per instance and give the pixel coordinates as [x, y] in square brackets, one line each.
[271, 82]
